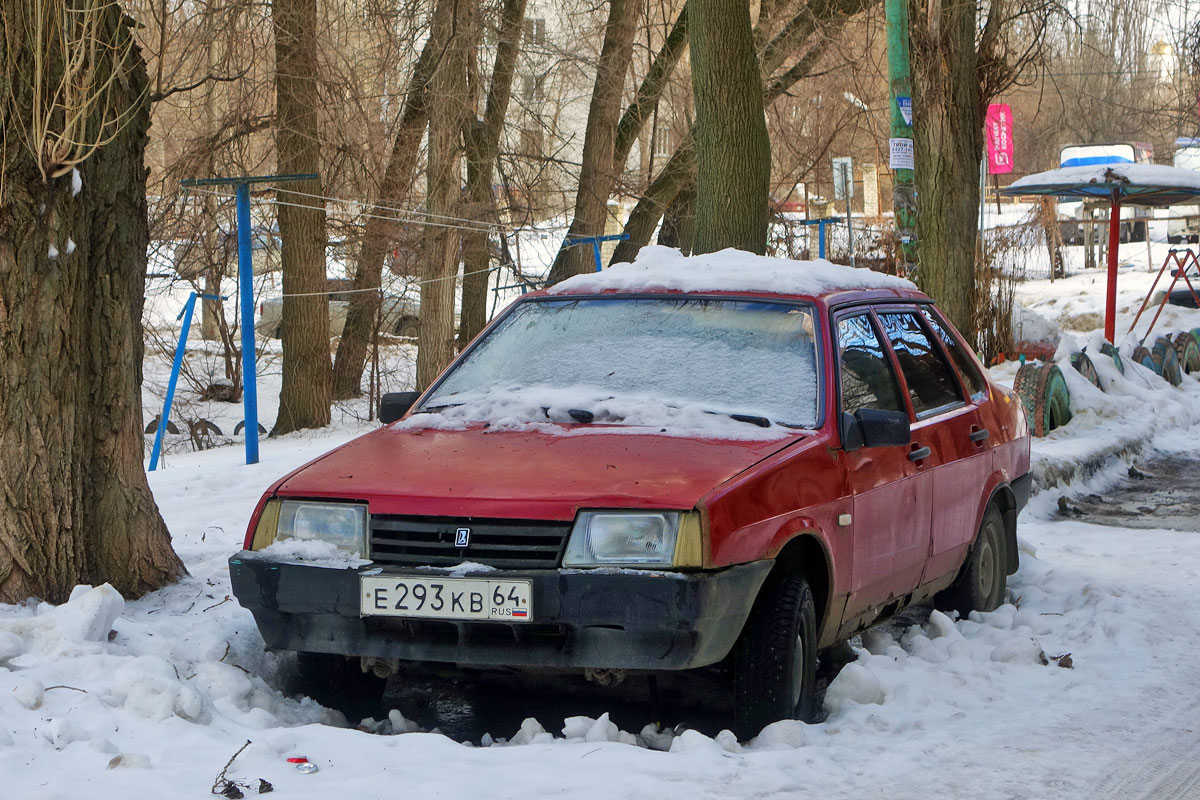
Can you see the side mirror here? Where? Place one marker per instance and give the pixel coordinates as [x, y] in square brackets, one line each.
[852, 432]
[394, 405]
[883, 428]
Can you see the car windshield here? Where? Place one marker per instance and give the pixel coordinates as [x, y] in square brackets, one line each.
[755, 361]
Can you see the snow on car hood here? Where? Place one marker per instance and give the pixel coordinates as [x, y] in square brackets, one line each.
[531, 474]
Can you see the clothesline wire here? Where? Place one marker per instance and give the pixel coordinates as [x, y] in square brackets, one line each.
[427, 223]
[415, 217]
[456, 276]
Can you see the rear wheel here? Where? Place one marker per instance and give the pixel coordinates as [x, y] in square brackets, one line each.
[982, 580]
[775, 660]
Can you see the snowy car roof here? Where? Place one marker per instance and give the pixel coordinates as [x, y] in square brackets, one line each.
[658, 268]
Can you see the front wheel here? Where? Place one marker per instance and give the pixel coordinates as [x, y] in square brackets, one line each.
[775, 660]
[981, 583]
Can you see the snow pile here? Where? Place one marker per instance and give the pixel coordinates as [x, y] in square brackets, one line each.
[87, 672]
[665, 268]
[1118, 421]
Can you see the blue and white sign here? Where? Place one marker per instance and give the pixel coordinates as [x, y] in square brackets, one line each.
[905, 106]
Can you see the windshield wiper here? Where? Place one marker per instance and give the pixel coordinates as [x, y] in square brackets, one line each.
[753, 419]
[581, 415]
[437, 408]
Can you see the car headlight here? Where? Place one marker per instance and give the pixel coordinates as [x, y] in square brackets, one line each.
[634, 538]
[343, 525]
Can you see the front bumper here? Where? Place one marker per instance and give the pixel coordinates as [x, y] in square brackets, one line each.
[614, 620]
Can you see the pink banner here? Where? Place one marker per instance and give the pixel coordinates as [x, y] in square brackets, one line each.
[997, 129]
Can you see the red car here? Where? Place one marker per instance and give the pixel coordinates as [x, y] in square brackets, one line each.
[679, 463]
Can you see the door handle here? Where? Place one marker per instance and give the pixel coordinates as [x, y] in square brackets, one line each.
[918, 453]
[979, 435]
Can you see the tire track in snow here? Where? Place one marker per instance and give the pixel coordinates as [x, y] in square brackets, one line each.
[1165, 766]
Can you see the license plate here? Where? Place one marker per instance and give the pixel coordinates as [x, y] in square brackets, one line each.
[446, 598]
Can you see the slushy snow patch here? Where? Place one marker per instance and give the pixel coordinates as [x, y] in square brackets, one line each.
[664, 268]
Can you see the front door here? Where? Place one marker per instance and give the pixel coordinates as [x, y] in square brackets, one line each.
[890, 519]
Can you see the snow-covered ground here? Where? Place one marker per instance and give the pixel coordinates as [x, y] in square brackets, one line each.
[103, 697]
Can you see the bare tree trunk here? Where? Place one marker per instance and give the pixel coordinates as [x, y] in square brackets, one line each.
[380, 231]
[74, 503]
[948, 142]
[596, 176]
[448, 111]
[482, 140]
[304, 396]
[679, 171]
[733, 151]
[650, 92]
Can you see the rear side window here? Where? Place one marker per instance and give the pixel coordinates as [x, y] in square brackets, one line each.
[970, 372]
[867, 378]
[931, 383]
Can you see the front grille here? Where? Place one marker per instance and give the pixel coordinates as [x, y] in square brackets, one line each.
[501, 543]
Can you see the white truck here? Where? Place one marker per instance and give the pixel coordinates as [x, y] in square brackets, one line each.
[1184, 223]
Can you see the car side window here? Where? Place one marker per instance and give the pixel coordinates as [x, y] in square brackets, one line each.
[867, 380]
[970, 372]
[931, 383]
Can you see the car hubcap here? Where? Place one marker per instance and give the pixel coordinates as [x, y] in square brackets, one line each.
[798, 673]
[987, 569]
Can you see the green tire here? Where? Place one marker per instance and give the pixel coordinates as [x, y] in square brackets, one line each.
[1188, 352]
[1084, 366]
[1166, 361]
[1109, 350]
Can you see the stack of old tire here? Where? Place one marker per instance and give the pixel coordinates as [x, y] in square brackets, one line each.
[1043, 390]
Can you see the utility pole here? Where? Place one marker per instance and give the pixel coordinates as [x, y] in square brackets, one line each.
[900, 150]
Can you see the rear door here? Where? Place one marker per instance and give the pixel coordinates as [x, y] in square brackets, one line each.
[960, 512]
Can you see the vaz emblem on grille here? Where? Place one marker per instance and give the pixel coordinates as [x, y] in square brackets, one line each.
[462, 537]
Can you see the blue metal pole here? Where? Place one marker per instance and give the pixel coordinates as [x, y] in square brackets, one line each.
[821, 239]
[176, 366]
[246, 291]
[596, 252]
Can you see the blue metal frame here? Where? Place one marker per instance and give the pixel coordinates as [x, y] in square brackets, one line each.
[245, 299]
[176, 366]
[821, 225]
[594, 241]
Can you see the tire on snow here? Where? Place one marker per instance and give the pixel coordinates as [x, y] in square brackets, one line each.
[982, 580]
[775, 659]
[1166, 361]
[1188, 352]
[1084, 366]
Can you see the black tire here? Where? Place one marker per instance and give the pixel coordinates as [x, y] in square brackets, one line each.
[775, 659]
[981, 582]
[336, 681]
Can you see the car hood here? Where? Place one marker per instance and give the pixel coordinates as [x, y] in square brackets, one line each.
[530, 475]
